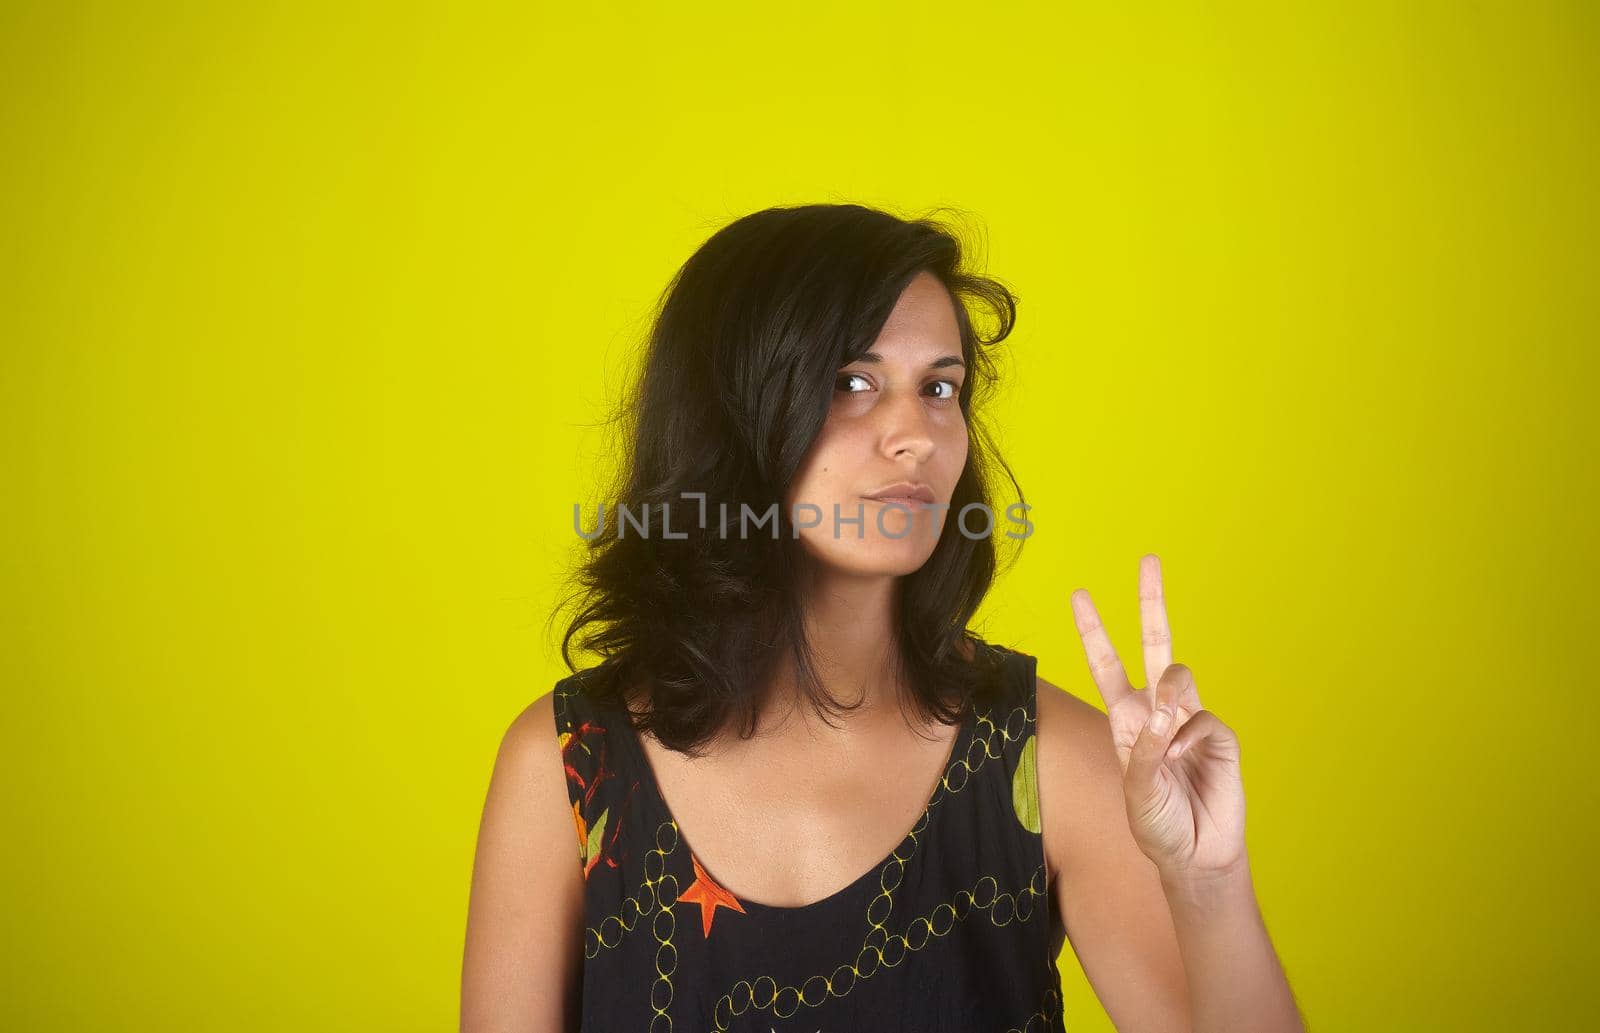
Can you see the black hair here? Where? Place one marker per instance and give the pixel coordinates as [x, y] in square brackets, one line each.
[737, 379]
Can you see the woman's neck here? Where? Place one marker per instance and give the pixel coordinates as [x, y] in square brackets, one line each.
[850, 624]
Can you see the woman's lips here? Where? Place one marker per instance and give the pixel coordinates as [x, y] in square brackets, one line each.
[899, 500]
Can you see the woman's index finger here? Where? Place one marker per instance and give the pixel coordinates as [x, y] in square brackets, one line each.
[1104, 665]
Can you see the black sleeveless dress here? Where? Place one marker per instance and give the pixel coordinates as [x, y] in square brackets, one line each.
[948, 934]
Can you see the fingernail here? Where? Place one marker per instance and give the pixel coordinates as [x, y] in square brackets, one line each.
[1161, 720]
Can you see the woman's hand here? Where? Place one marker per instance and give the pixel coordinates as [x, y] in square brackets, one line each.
[1180, 764]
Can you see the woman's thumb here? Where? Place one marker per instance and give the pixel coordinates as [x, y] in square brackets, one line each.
[1145, 759]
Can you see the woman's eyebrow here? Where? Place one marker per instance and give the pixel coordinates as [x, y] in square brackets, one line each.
[940, 363]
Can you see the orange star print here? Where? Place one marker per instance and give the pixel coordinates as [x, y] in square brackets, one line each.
[705, 892]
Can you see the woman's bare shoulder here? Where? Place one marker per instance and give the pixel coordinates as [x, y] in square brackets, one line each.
[1080, 781]
[1065, 720]
[525, 911]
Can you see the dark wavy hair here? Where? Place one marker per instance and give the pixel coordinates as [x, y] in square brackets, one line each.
[741, 364]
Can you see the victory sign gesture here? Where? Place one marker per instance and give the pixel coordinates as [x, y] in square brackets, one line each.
[1180, 763]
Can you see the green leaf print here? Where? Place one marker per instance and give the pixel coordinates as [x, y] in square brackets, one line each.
[596, 834]
[1025, 788]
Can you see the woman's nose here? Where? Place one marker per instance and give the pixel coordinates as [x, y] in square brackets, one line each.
[906, 428]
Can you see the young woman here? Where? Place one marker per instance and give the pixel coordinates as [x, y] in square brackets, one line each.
[806, 796]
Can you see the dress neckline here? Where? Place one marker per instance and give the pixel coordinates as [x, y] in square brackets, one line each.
[959, 746]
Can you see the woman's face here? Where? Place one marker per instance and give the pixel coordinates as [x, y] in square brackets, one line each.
[895, 419]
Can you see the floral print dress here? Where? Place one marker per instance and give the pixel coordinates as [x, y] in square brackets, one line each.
[948, 933]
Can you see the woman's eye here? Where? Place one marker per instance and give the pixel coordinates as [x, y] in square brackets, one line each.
[951, 387]
[846, 378]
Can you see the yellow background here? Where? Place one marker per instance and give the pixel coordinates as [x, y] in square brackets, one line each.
[309, 316]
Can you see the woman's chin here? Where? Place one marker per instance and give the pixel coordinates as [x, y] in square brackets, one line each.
[882, 559]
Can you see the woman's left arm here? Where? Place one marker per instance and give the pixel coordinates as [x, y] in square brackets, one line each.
[1185, 805]
[1235, 980]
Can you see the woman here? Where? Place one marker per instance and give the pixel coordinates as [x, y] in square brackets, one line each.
[807, 526]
